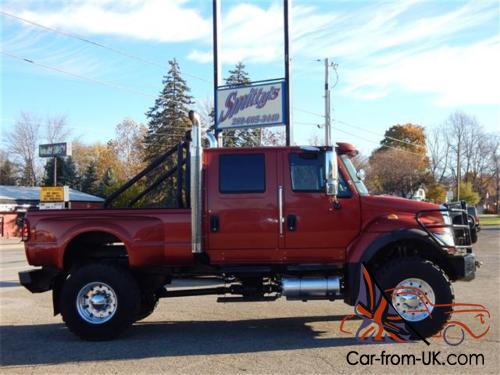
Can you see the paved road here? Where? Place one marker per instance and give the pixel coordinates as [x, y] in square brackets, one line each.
[198, 335]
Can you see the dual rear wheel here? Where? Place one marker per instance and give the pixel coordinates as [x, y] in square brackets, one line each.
[100, 301]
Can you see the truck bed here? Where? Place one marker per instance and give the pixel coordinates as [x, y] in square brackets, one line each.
[150, 236]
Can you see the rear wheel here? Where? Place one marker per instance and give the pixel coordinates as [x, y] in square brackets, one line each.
[99, 301]
[420, 292]
[149, 301]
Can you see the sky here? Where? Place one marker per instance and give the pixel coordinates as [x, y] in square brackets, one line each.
[397, 61]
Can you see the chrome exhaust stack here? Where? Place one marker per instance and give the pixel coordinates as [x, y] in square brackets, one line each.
[306, 288]
[195, 150]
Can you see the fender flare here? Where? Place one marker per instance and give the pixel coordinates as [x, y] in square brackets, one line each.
[353, 268]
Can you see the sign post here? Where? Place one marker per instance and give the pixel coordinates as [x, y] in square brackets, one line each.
[260, 104]
[54, 150]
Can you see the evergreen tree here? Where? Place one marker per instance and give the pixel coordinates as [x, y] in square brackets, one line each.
[244, 137]
[89, 179]
[66, 173]
[7, 173]
[107, 183]
[167, 124]
[168, 118]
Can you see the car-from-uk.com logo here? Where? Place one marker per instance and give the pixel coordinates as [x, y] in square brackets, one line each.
[380, 322]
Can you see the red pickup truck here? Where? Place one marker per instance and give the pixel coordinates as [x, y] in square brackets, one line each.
[296, 222]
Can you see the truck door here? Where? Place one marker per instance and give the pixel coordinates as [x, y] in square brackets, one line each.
[242, 213]
[315, 231]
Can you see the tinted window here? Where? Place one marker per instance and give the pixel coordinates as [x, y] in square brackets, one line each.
[307, 172]
[242, 173]
[308, 175]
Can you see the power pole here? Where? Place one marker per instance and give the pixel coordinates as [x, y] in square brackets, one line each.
[328, 135]
[55, 170]
[288, 100]
[458, 170]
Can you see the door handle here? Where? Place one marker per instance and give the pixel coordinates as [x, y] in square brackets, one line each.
[291, 222]
[214, 223]
[281, 219]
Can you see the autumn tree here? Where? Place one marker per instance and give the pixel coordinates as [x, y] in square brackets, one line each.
[400, 165]
[397, 172]
[436, 193]
[468, 194]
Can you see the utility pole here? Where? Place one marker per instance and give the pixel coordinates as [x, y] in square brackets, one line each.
[55, 170]
[288, 100]
[328, 135]
[216, 14]
[458, 170]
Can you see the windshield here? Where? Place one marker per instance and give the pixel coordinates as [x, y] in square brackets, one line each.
[360, 186]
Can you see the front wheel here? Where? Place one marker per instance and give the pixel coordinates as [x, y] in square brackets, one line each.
[99, 301]
[420, 292]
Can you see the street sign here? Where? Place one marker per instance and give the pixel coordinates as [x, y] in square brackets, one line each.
[54, 194]
[251, 106]
[54, 149]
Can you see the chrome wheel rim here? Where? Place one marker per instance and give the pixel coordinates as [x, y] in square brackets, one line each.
[413, 299]
[96, 302]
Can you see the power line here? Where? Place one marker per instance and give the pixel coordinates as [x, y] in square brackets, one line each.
[97, 44]
[357, 127]
[360, 137]
[93, 80]
[308, 112]
[378, 134]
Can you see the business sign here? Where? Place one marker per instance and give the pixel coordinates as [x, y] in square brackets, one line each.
[252, 106]
[54, 194]
[54, 149]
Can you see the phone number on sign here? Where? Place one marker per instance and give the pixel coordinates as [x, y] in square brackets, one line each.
[258, 119]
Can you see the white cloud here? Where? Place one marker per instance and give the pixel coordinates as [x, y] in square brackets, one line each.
[154, 20]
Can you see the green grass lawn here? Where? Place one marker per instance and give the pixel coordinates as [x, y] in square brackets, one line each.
[489, 219]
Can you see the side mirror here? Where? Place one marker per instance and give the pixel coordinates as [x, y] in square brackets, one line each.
[361, 174]
[331, 171]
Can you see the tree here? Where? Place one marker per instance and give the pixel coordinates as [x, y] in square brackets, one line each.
[129, 137]
[439, 153]
[168, 118]
[400, 165]
[436, 193]
[67, 174]
[23, 146]
[107, 184]
[468, 194]
[7, 171]
[409, 137]
[396, 172]
[244, 137]
[168, 122]
[89, 179]
[56, 129]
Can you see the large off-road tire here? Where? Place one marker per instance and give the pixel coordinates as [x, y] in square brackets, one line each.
[149, 301]
[99, 301]
[426, 276]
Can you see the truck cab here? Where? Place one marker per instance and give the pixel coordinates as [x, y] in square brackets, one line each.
[267, 222]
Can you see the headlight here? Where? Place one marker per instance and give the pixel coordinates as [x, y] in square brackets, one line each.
[445, 235]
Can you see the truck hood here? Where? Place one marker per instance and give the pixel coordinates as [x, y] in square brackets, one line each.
[391, 204]
[383, 213]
